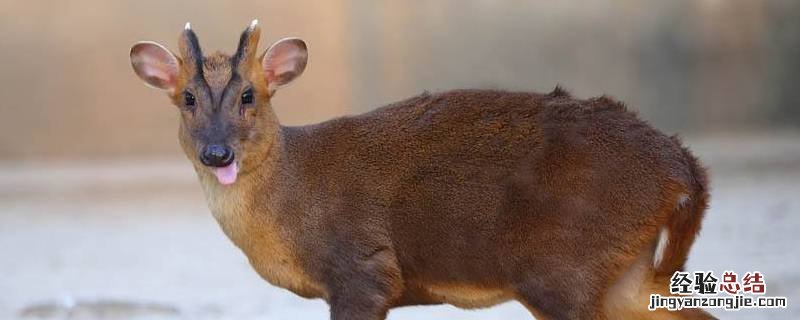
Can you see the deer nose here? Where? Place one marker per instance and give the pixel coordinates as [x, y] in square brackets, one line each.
[216, 155]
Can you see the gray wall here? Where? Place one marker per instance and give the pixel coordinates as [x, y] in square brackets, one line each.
[67, 91]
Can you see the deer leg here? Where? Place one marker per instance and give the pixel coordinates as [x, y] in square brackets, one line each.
[361, 306]
[365, 288]
[562, 295]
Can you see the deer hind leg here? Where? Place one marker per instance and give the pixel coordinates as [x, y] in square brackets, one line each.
[581, 294]
[629, 295]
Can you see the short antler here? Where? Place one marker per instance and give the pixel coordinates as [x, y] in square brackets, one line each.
[248, 44]
[190, 50]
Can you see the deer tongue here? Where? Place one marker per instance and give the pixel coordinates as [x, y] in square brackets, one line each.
[226, 175]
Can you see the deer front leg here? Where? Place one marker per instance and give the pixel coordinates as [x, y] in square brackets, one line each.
[359, 304]
[364, 287]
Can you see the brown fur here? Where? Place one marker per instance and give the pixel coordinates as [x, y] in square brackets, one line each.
[467, 197]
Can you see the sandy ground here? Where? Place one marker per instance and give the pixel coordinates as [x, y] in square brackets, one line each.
[134, 240]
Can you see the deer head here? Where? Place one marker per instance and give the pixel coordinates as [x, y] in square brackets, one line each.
[227, 123]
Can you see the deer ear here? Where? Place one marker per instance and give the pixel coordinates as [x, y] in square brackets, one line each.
[284, 61]
[155, 65]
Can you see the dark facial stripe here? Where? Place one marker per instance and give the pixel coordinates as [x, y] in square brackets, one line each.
[195, 53]
[233, 82]
[241, 50]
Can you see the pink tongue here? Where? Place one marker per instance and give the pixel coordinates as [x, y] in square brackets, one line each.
[227, 175]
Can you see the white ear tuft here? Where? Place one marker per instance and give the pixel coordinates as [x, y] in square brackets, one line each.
[188, 26]
[253, 24]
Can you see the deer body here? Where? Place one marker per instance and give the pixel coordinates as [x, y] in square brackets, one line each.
[575, 208]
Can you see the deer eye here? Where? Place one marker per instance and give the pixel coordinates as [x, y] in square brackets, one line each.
[188, 99]
[247, 96]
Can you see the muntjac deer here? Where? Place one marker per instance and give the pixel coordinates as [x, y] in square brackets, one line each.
[575, 208]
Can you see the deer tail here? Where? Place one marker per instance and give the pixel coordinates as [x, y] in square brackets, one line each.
[675, 238]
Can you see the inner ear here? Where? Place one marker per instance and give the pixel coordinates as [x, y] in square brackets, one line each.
[155, 65]
[284, 61]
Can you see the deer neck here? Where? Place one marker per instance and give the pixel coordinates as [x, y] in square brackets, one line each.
[243, 209]
[248, 214]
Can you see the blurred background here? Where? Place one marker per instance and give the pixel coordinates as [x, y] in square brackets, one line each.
[101, 217]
